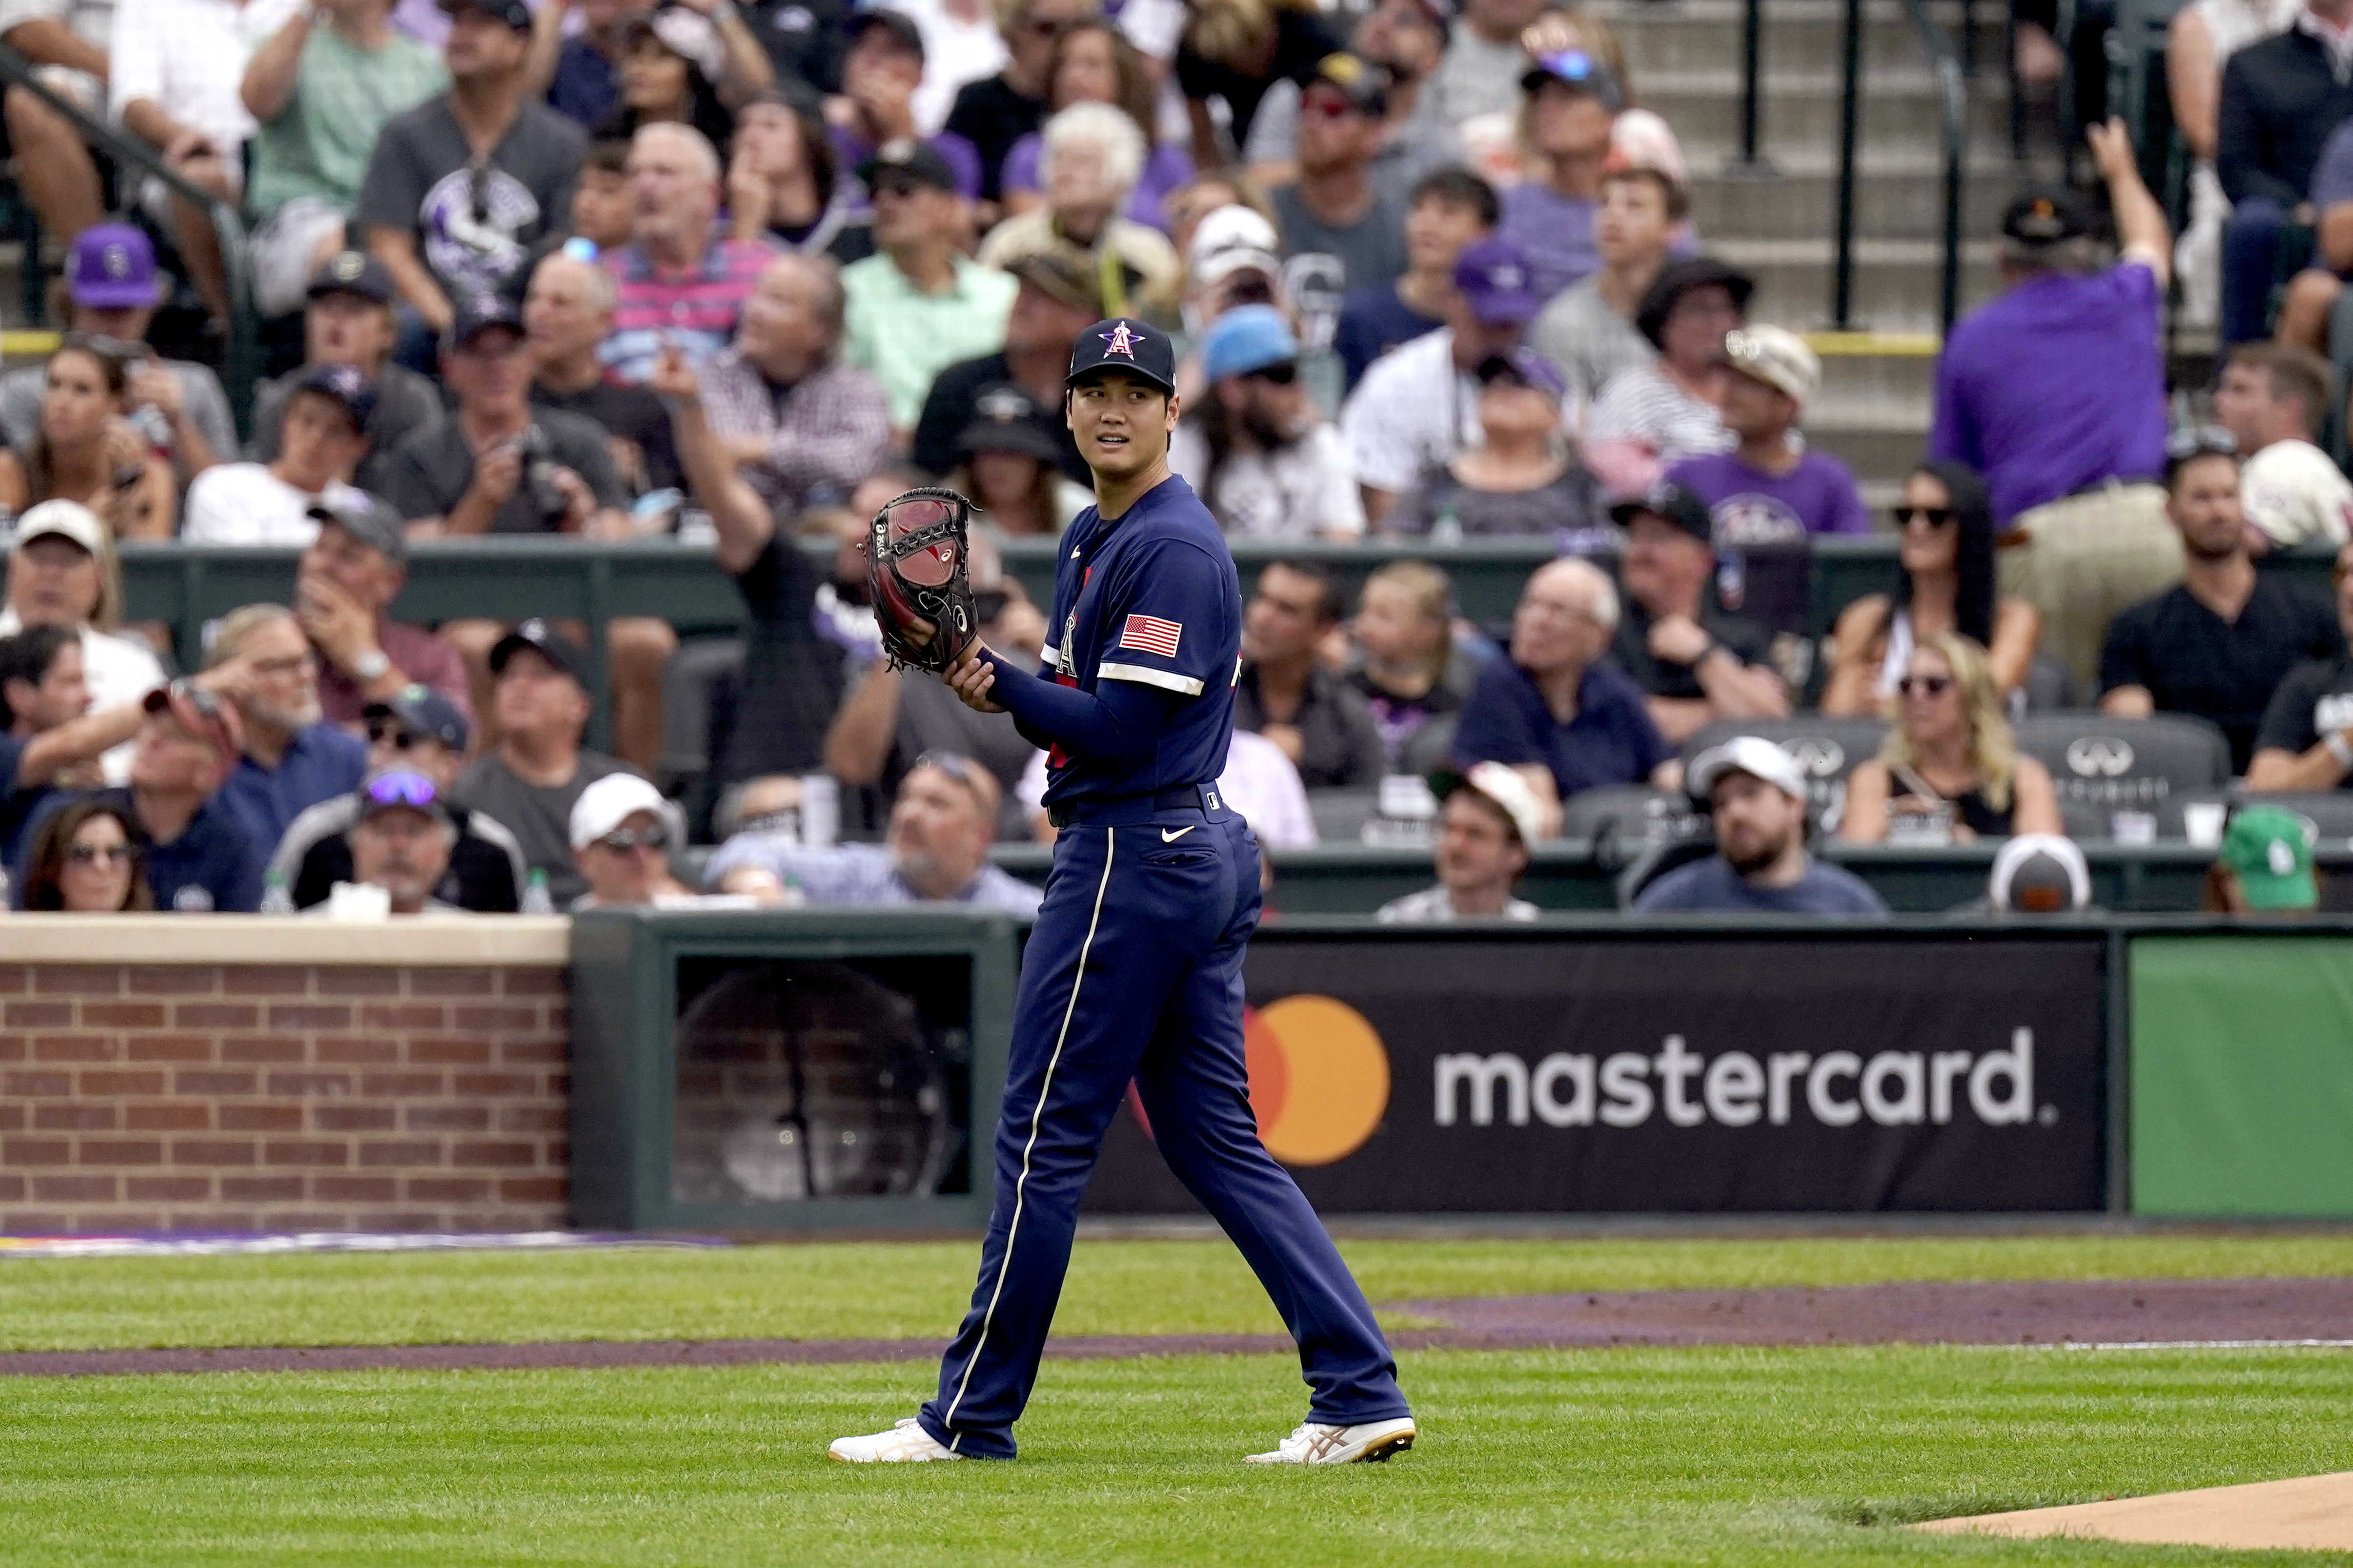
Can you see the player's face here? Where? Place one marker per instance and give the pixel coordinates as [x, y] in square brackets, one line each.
[1122, 422]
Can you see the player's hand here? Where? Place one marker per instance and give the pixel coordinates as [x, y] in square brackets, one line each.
[971, 677]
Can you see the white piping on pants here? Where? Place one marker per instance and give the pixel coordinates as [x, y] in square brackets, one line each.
[1037, 1113]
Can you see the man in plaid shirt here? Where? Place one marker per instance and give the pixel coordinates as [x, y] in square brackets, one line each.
[796, 420]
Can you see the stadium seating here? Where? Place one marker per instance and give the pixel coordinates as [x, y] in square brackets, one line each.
[2125, 778]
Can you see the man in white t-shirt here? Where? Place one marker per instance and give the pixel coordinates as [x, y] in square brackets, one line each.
[2271, 399]
[322, 440]
[1266, 463]
[1489, 819]
[1419, 404]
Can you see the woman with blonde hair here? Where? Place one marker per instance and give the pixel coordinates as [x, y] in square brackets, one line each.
[1404, 633]
[1237, 49]
[1950, 771]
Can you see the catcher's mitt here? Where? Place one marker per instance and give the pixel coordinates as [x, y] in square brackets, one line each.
[916, 575]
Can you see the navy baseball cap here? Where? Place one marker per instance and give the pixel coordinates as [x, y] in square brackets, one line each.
[478, 315]
[346, 383]
[1578, 71]
[426, 712]
[542, 639]
[1670, 503]
[352, 272]
[898, 23]
[917, 160]
[515, 13]
[2045, 214]
[1123, 343]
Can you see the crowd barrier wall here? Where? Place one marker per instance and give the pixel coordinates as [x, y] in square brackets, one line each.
[1567, 876]
[234, 1072]
[2242, 1088]
[732, 1072]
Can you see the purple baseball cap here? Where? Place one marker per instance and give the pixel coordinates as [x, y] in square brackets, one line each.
[112, 267]
[1493, 278]
[1526, 367]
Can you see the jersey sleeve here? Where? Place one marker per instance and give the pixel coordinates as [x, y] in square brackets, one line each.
[1174, 623]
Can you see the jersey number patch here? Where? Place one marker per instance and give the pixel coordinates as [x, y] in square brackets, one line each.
[1150, 634]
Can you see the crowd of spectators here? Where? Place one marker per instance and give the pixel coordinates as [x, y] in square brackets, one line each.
[593, 268]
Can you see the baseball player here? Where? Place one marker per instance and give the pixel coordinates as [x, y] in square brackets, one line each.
[1133, 970]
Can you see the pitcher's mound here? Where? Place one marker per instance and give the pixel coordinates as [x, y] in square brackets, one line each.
[2315, 1513]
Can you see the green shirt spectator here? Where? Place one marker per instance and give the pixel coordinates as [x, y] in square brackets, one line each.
[919, 306]
[323, 87]
[318, 145]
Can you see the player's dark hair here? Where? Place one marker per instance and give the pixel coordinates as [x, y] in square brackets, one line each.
[1462, 187]
[26, 657]
[1329, 607]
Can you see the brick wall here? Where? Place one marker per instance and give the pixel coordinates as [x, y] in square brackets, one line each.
[220, 1096]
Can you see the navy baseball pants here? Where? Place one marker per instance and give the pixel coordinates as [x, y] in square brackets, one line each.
[1135, 972]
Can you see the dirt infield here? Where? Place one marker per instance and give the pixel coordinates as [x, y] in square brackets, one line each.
[2102, 1312]
[2309, 1513]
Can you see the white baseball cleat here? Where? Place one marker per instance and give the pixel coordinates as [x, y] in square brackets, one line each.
[905, 1444]
[1313, 1443]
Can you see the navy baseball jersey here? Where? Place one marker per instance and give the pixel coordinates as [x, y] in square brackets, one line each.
[1151, 596]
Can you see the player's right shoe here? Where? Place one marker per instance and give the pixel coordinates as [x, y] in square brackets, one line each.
[905, 1444]
[1316, 1443]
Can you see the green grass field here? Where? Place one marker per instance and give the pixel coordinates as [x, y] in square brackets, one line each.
[1700, 1455]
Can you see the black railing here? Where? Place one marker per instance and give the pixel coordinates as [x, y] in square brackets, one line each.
[1952, 91]
[244, 342]
[1752, 69]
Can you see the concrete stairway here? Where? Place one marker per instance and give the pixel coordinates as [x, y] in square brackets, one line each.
[1684, 56]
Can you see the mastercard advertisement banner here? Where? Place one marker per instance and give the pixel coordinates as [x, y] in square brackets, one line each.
[1796, 1071]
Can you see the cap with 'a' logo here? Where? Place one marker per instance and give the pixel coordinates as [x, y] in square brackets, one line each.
[1126, 345]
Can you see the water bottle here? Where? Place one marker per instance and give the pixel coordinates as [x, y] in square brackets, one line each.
[536, 899]
[277, 897]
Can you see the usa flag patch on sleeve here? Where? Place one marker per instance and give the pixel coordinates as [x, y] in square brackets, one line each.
[1150, 634]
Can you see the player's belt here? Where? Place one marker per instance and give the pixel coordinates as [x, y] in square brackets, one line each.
[1201, 797]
